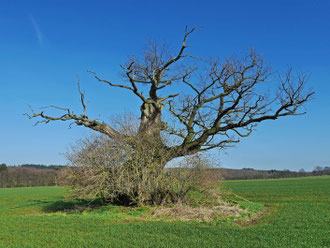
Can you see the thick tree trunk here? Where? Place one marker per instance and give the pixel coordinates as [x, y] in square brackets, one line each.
[150, 131]
[151, 120]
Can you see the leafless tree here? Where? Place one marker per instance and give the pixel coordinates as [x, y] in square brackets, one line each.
[318, 168]
[214, 108]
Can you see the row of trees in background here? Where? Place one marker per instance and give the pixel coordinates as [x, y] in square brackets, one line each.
[321, 170]
[27, 176]
[250, 173]
[42, 166]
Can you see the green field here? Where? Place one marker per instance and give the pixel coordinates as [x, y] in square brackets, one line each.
[297, 215]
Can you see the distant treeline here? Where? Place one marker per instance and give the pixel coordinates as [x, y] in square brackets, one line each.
[40, 166]
[27, 175]
[249, 173]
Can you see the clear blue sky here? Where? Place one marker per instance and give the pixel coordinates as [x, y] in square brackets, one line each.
[45, 45]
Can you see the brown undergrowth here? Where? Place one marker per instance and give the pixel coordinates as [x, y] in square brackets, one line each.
[206, 214]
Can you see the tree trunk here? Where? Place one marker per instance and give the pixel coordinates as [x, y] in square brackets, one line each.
[151, 120]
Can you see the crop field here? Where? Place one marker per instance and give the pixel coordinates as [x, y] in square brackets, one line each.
[296, 214]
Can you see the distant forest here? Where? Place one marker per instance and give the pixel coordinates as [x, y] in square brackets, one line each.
[249, 173]
[40, 166]
[28, 175]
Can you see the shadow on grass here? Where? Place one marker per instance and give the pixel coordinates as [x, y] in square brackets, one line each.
[71, 206]
[30, 203]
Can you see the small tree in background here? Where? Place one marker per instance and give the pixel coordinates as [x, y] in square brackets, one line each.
[318, 168]
[3, 167]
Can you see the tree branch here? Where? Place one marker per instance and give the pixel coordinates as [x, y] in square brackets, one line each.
[134, 89]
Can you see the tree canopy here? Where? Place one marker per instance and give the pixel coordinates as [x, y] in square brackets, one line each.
[219, 101]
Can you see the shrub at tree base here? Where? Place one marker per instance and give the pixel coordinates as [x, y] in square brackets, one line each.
[131, 172]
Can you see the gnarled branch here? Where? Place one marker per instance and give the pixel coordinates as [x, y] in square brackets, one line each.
[80, 120]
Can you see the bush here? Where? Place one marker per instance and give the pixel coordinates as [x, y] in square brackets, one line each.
[130, 172]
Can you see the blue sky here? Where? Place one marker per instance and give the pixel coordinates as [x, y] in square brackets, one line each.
[45, 45]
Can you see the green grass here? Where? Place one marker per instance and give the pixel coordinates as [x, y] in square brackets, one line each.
[297, 215]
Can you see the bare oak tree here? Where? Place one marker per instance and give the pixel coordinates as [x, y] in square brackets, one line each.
[219, 104]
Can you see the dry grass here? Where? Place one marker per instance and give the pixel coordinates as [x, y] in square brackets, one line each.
[185, 212]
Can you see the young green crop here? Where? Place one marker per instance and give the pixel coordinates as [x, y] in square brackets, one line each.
[297, 215]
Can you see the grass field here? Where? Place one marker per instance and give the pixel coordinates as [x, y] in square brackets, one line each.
[297, 214]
